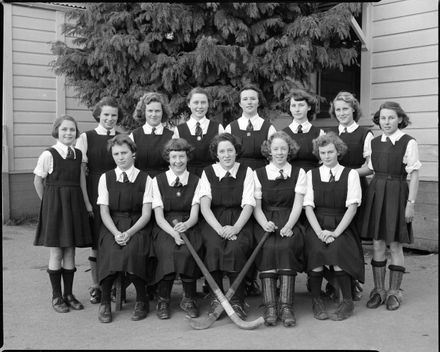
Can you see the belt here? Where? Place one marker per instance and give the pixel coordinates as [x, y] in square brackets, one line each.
[390, 177]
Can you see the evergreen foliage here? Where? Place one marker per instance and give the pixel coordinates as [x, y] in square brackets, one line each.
[126, 49]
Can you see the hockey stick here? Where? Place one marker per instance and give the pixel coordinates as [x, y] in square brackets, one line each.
[247, 325]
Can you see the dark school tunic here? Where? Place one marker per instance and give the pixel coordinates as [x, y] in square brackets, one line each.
[277, 201]
[149, 151]
[200, 156]
[221, 254]
[344, 251]
[387, 193]
[125, 204]
[305, 157]
[172, 258]
[63, 220]
[251, 145]
[99, 161]
[354, 159]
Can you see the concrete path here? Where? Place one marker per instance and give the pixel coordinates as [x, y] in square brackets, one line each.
[29, 321]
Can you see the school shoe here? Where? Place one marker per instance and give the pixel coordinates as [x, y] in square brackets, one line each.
[319, 310]
[95, 295]
[344, 310]
[105, 313]
[189, 306]
[378, 294]
[214, 303]
[163, 308]
[140, 311]
[72, 302]
[59, 305]
[238, 307]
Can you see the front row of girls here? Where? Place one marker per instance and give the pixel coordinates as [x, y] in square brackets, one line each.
[275, 194]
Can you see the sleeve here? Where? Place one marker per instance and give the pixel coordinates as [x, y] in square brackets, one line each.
[102, 191]
[157, 196]
[271, 131]
[301, 183]
[248, 189]
[148, 193]
[204, 187]
[367, 145]
[221, 129]
[44, 164]
[309, 196]
[82, 144]
[411, 157]
[196, 198]
[354, 190]
[258, 194]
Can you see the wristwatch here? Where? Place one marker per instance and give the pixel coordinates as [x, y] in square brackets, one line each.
[411, 201]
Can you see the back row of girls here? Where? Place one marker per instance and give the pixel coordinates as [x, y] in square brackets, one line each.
[324, 224]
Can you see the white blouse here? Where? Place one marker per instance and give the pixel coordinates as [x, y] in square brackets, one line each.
[257, 123]
[45, 161]
[367, 143]
[82, 143]
[204, 124]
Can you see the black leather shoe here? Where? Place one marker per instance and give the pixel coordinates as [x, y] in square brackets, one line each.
[213, 304]
[239, 309]
[270, 315]
[59, 305]
[345, 310]
[374, 302]
[392, 303]
[95, 295]
[319, 310]
[163, 308]
[190, 307]
[105, 313]
[140, 311]
[72, 302]
[287, 315]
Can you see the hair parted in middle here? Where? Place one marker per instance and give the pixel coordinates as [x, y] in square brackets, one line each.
[197, 90]
[177, 145]
[326, 139]
[107, 101]
[254, 87]
[349, 99]
[302, 95]
[224, 137]
[121, 139]
[293, 146]
[151, 97]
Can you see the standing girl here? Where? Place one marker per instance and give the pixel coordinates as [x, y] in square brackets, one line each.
[198, 130]
[63, 222]
[97, 160]
[152, 136]
[175, 197]
[332, 197]
[124, 197]
[389, 208]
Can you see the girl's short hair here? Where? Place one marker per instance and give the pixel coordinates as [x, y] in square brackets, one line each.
[349, 99]
[57, 123]
[107, 101]
[261, 99]
[224, 137]
[302, 95]
[197, 90]
[391, 105]
[326, 139]
[151, 97]
[121, 139]
[293, 146]
[177, 145]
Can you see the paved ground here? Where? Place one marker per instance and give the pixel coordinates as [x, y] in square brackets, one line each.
[29, 321]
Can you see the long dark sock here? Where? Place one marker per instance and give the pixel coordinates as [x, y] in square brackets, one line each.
[55, 281]
[315, 283]
[166, 285]
[218, 278]
[344, 281]
[189, 286]
[139, 285]
[106, 287]
[68, 280]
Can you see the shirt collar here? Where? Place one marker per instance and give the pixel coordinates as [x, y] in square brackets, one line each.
[63, 148]
[131, 173]
[148, 129]
[350, 129]
[192, 121]
[220, 172]
[103, 131]
[305, 126]
[171, 177]
[393, 137]
[334, 170]
[287, 169]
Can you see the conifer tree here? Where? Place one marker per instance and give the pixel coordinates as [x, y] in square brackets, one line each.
[126, 49]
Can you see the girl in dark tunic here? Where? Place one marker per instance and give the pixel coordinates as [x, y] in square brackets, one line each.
[153, 135]
[97, 160]
[345, 108]
[389, 205]
[198, 130]
[175, 197]
[332, 197]
[227, 202]
[63, 223]
[124, 196]
[279, 193]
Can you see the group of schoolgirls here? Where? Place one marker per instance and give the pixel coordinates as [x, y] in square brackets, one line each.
[130, 197]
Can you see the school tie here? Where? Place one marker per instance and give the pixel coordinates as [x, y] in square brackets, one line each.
[108, 132]
[70, 154]
[281, 176]
[344, 131]
[177, 183]
[124, 177]
[388, 140]
[153, 131]
[227, 174]
[199, 132]
[249, 127]
[332, 177]
[300, 129]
